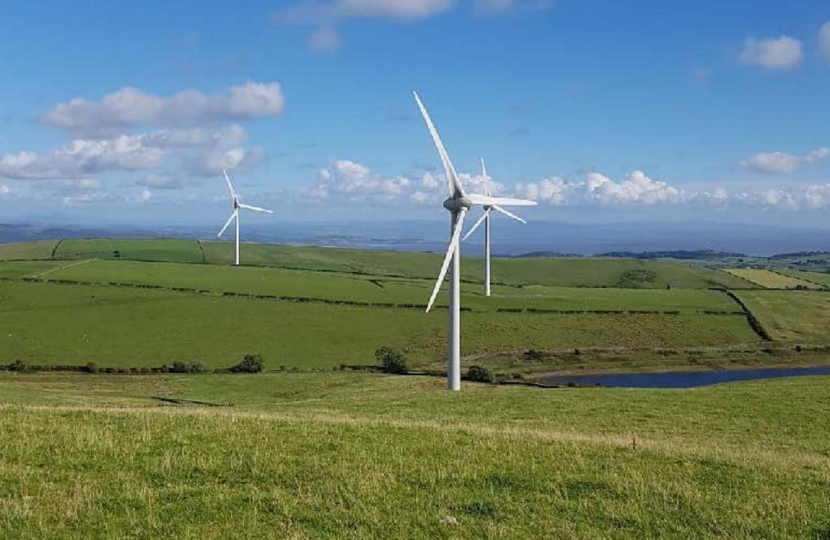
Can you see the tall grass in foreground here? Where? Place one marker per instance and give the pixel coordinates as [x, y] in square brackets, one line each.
[359, 456]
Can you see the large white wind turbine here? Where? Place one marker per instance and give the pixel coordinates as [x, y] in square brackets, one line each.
[485, 218]
[235, 216]
[458, 204]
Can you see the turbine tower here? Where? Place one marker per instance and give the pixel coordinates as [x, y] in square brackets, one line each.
[235, 216]
[458, 203]
[485, 217]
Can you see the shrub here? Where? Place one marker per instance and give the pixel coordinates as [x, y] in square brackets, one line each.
[188, 367]
[251, 363]
[392, 361]
[20, 366]
[90, 367]
[480, 374]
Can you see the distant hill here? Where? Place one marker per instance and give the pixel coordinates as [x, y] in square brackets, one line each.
[700, 254]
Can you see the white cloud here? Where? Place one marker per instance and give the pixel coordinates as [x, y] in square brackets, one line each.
[226, 137]
[82, 157]
[130, 107]
[327, 14]
[316, 12]
[496, 7]
[781, 163]
[775, 53]
[597, 189]
[324, 39]
[824, 42]
[5, 190]
[157, 181]
[354, 181]
[146, 195]
[211, 163]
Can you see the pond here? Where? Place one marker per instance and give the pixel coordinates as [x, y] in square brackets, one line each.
[681, 379]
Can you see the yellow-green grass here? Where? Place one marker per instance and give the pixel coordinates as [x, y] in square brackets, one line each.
[45, 323]
[21, 269]
[568, 272]
[771, 280]
[27, 250]
[162, 249]
[817, 278]
[579, 272]
[799, 316]
[360, 456]
[374, 289]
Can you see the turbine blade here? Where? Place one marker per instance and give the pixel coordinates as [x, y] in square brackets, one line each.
[230, 186]
[479, 222]
[486, 178]
[453, 183]
[459, 222]
[508, 214]
[255, 208]
[486, 200]
[230, 219]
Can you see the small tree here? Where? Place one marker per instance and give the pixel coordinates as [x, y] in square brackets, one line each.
[188, 367]
[251, 363]
[480, 374]
[392, 361]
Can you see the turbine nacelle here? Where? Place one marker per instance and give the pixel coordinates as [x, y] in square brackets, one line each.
[456, 204]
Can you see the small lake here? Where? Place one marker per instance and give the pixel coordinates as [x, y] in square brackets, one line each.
[681, 379]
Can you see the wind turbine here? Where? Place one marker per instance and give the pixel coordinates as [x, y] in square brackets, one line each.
[235, 216]
[458, 203]
[485, 218]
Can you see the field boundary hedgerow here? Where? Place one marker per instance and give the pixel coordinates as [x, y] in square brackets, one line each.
[753, 321]
[332, 301]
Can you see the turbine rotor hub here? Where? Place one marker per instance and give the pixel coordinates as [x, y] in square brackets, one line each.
[456, 204]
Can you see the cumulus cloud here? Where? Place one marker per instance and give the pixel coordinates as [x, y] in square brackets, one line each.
[129, 107]
[824, 42]
[598, 189]
[212, 162]
[82, 157]
[326, 15]
[775, 53]
[781, 163]
[355, 181]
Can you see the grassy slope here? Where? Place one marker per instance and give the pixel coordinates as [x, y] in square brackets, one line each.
[27, 250]
[172, 250]
[553, 272]
[799, 316]
[771, 280]
[74, 324]
[821, 278]
[357, 456]
[324, 285]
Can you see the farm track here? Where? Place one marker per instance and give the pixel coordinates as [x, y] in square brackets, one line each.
[62, 267]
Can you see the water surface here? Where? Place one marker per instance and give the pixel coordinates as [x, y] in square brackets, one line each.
[681, 379]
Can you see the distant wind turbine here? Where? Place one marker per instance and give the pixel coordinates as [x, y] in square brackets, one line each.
[458, 204]
[485, 218]
[235, 216]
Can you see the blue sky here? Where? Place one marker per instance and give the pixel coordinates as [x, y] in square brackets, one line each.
[601, 110]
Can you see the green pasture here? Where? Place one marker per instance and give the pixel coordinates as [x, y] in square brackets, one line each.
[817, 278]
[578, 272]
[797, 316]
[46, 323]
[374, 289]
[368, 456]
[772, 280]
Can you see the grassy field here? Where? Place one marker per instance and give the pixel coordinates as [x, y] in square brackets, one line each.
[818, 278]
[798, 316]
[123, 326]
[772, 280]
[372, 289]
[27, 250]
[366, 456]
[580, 272]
